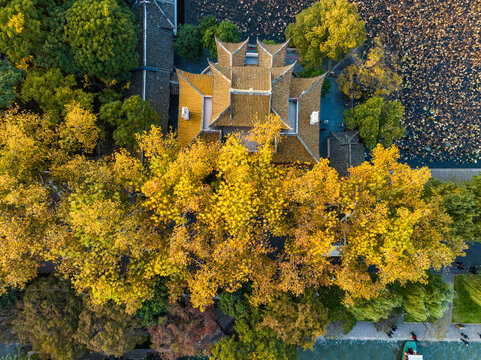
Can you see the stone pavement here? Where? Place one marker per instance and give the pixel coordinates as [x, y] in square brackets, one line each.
[454, 174]
[442, 330]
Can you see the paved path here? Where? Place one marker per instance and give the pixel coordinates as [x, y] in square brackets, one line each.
[454, 174]
[442, 330]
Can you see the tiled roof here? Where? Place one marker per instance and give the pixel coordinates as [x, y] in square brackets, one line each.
[247, 108]
[278, 72]
[231, 54]
[300, 85]
[202, 82]
[272, 55]
[251, 77]
[151, 80]
[345, 150]
[224, 70]
[220, 94]
[291, 149]
[242, 94]
[280, 92]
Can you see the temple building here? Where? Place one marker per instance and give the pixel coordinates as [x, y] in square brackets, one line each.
[241, 87]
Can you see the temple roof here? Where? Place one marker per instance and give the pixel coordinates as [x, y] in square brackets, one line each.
[238, 95]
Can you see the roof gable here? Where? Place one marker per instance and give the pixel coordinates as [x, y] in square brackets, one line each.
[231, 54]
[201, 82]
[272, 55]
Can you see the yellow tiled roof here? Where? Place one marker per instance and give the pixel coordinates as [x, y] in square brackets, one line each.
[251, 77]
[247, 108]
[243, 94]
[220, 94]
[202, 82]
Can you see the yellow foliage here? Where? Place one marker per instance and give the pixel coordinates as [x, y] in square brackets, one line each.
[17, 21]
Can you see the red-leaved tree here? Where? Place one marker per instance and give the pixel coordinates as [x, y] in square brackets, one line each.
[184, 331]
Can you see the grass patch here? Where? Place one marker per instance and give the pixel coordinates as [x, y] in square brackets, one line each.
[464, 309]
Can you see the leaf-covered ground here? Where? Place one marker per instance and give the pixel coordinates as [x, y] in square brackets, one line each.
[439, 50]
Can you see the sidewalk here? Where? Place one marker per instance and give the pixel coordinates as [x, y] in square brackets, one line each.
[458, 175]
[442, 330]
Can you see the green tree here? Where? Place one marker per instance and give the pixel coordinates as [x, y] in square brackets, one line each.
[153, 308]
[107, 328]
[184, 331]
[378, 120]
[103, 36]
[235, 303]
[371, 77]
[297, 320]
[56, 52]
[207, 25]
[52, 91]
[10, 76]
[426, 302]
[332, 297]
[48, 319]
[189, 42]
[22, 29]
[329, 28]
[224, 31]
[461, 205]
[376, 308]
[130, 117]
[253, 341]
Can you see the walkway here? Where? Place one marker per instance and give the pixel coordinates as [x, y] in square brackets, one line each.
[454, 174]
[442, 330]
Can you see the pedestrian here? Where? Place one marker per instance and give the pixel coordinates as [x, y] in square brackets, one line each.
[465, 342]
[479, 335]
[464, 335]
[394, 328]
[413, 336]
[459, 326]
[389, 334]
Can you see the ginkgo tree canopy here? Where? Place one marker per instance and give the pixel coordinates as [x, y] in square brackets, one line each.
[210, 217]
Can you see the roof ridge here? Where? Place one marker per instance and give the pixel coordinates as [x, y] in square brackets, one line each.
[280, 117]
[335, 134]
[240, 45]
[215, 66]
[314, 83]
[307, 148]
[289, 67]
[218, 117]
[354, 134]
[181, 73]
[163, 13]
[283, 46]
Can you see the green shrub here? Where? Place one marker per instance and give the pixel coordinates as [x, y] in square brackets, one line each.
[189, 42]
